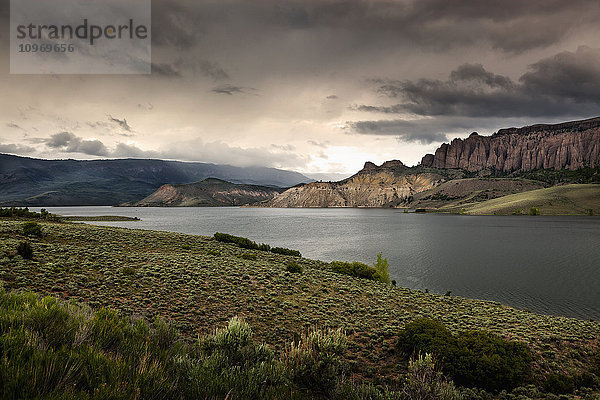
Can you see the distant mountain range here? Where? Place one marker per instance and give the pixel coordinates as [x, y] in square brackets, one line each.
[35, 182]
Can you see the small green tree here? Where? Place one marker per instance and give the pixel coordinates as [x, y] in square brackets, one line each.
[382, 267]
[534, 211]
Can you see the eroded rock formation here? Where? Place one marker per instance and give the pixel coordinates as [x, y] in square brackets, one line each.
[570, 145]
[388, 185]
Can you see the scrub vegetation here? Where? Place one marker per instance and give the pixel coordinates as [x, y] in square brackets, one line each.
[116, 313]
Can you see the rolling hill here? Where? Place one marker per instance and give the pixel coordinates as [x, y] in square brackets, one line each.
[575, 199]
[210, 192]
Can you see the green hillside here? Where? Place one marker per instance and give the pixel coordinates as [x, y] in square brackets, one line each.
[575, 199]
[453, 195]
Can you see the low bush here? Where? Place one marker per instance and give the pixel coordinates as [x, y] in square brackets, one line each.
[284, 251]
[246, 243]
[24, 250]
[228, 364]
[15, 212]
[51, 349]
[128, 270]
[264, 247]
[108, 329]
[315, 361]
[32, 228]
[356, 269]
[293, 267]
[471, 358]
[248, 256]
[425, 335]
[534, 211]
[566, 384]
[426, 382]
[486, 360]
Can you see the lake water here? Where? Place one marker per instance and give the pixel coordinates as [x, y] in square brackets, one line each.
[544, 264]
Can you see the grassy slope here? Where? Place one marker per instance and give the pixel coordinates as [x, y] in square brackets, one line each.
[199, 284]
[460, 193]
[575, 199]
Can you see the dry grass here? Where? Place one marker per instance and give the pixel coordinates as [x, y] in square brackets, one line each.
[575, 199]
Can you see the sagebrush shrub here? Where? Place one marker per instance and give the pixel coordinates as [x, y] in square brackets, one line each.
[293, 267]
[24, 250]
[31, 228]
[315, 361]
[426, 382]
[471, 358]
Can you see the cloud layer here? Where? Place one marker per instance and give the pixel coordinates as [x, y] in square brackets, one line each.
[197, 150]
[565, 84]
[316, 85]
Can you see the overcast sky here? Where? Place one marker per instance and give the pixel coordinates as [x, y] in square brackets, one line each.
[315, 86]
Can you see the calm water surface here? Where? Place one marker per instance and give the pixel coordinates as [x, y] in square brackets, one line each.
[544, 264]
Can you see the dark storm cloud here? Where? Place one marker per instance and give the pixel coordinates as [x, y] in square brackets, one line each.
[510, 25]
[121, 122]
[166, 70]
[571, 75]
[395, 109]
[212, 70]
[14, 126]
[175, 24]
[4, 18]
[406, 131]
[15, 148]
[127, 150]
[325, 32]
[432, 130]
[231, 89]
[146, 107]
[207, 68]
[61, 139]
[567, 84]
[69, 143]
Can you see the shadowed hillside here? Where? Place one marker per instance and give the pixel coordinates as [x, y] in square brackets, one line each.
[29, 181]
[210, 192]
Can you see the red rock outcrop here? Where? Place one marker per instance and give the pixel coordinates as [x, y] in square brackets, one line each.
[569, 145]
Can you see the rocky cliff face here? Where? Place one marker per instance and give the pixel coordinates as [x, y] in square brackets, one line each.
[388, 185]
[570, 145]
